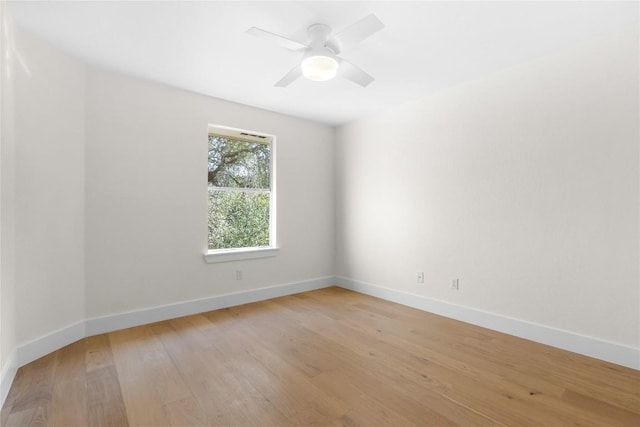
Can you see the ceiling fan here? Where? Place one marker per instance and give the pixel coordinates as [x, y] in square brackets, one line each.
[320, 60]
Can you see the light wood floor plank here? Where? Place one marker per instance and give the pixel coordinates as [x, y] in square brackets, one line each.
[104, 399]
[130, 355]
[32, 417]
[329, 357]
[185, 412]
[28, 402]
[70, 386]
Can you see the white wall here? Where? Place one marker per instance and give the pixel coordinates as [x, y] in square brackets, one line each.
[42, 203]
[7, 197]
[146, 218]
[49, 189]
[524, 185]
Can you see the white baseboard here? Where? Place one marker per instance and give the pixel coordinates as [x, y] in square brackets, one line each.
[7, 376]
[114, 322]
[41, 346]
[46, 344]
[604, 350]
[585, 345]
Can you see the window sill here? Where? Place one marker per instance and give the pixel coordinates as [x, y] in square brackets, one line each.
[226, 255]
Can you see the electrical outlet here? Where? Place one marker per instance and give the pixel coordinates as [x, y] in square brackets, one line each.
[420, 277]
[238, 274]
[455, 284]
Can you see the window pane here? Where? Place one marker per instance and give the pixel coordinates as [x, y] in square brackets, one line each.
[241, 164]
[238, 219]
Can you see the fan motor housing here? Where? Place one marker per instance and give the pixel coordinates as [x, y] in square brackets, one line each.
[319, 33]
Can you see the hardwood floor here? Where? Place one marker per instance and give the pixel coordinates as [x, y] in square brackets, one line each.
[329, 358]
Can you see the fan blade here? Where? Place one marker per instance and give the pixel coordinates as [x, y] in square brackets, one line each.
[282, 41]
[355, 33]
[290, 77]
[355, 74]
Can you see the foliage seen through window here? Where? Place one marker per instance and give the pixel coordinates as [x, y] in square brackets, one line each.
[239, 193]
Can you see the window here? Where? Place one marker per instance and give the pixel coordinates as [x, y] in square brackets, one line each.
[241, 203]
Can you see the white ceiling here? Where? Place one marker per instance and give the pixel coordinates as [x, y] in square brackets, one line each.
[425, 46]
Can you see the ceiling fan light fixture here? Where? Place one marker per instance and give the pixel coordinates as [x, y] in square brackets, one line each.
[319, 68]
[320, 60]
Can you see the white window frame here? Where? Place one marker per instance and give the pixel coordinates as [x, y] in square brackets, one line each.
[237, 254]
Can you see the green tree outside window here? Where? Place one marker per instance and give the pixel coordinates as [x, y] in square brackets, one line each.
[239, 193]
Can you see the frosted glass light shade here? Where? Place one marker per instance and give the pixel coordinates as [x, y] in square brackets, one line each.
[319, 68]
